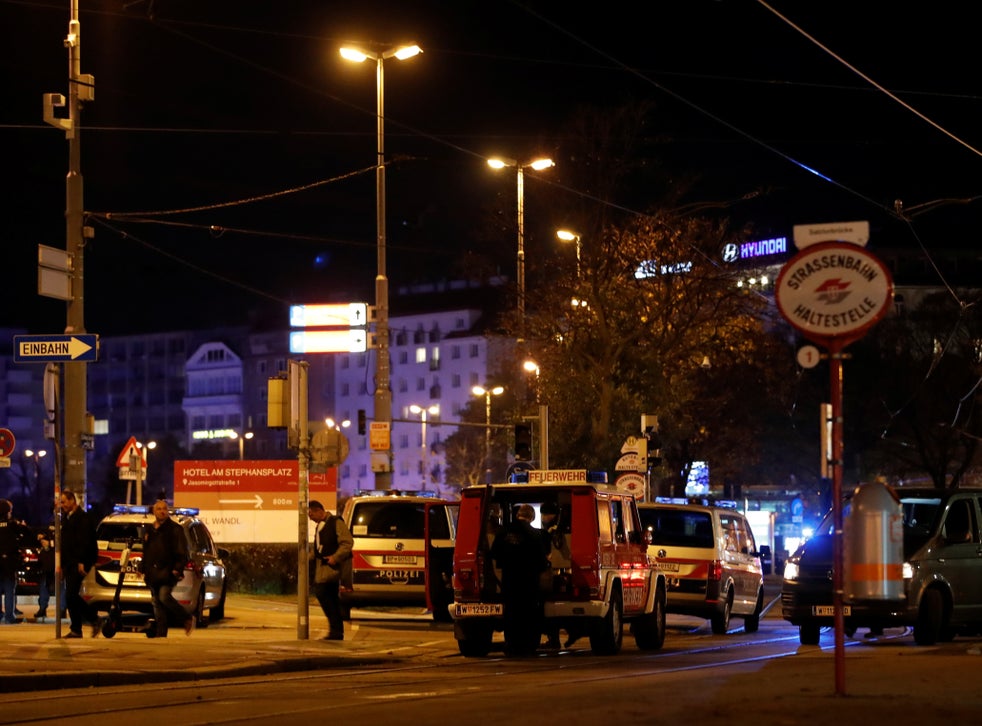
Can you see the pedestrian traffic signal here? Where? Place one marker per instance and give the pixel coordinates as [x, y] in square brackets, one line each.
[361, 422]
[523, 442]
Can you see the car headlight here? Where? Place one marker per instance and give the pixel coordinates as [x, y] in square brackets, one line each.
[791, 571]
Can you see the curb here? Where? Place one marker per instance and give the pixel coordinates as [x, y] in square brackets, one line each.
[22, 683]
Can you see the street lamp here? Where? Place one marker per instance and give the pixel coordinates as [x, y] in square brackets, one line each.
[487, 393]
[36, 456]
[136, 463]
[383, 390]
[566, 236]
[536, 165]
[531, 366]
[242, 439]
[425, 450]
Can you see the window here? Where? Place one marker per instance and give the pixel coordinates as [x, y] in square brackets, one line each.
[403, 385]
[420, 384]
[455, 352]
[421, 355]
[403, 357]
[455, 380]
[475, 350]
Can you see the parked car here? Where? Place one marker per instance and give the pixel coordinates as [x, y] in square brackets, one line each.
[942, 573]
[601, 576]
[710, 561]
[201, 589]
[403, 550]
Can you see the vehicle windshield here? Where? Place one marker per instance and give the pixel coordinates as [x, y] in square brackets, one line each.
[678, 527]
[115, 535]
[398, 519]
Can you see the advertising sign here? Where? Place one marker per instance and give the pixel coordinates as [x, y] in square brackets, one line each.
[250, 501]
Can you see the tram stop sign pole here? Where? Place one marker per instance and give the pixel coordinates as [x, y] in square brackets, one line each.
[833, 293]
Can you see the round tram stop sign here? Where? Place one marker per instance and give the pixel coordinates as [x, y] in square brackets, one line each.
[834, 292]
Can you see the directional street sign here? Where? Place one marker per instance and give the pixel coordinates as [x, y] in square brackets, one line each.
[347, 340]
[55, 348]
[329, 316]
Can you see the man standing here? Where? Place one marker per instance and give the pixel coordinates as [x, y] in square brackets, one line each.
[12, 537]
[78, 555]
[517, 551]
[165, 553]
[332, 547]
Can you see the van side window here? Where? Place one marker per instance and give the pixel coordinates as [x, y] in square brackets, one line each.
[617, 517]
[733, 535]
[603, 520]
[960, 524]
[439, 528]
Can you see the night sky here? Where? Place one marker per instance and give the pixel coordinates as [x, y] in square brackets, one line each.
[204, 103]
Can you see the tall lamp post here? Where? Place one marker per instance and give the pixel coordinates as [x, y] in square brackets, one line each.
[536, 165]
[487, 393]
[424, 448]
[35, 457]
[137, 464]
[242, 439]
[566, 236]
[383, 364]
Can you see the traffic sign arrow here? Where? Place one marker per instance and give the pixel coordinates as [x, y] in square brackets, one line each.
[256, 501]
[54, 348]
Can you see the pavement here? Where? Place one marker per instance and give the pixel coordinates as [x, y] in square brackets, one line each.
[34, 659]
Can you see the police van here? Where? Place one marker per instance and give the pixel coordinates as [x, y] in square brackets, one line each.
[599, 578]
[403, 550]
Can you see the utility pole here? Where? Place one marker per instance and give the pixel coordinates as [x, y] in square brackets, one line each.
[81, 88]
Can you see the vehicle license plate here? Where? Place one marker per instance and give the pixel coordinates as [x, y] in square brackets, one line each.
[478, 608]
[668, 566]
[134, 577]
[828, 611]
[398, 559]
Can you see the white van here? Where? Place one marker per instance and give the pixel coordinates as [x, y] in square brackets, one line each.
[710, 561]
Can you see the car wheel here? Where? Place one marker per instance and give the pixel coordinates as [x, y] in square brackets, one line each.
[477, 640]
[200, 621]
[809, 633]
[751, 623]
[720, 622]
[607, 635]
[217, 612]
[927, 627]
[649, 630]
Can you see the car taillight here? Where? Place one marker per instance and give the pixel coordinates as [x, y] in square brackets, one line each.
[715, 571]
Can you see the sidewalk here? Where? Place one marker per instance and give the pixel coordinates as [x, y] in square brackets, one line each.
[35, 660]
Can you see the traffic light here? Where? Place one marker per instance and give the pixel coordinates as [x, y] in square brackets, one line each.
[361, 422]
[523, 442]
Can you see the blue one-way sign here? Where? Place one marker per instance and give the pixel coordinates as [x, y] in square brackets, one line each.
[55, 348]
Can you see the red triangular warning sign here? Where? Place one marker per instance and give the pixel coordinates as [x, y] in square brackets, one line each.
[128, 450]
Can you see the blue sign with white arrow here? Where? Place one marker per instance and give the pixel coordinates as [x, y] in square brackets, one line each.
[55, 348]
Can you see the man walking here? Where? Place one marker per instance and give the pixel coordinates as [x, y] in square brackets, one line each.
[332, 546]
[78, 555]
[165, 554]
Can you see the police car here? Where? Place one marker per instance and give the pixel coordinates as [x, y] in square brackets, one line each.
[403, 550]
[201, 589]
[601, 576]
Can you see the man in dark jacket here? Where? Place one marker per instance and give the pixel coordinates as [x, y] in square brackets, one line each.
[332, 546]
[13, 536]
[517, 550]
[78, 555]
[165, 553]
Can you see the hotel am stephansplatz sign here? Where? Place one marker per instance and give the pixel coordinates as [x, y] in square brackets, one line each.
[834, 292]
